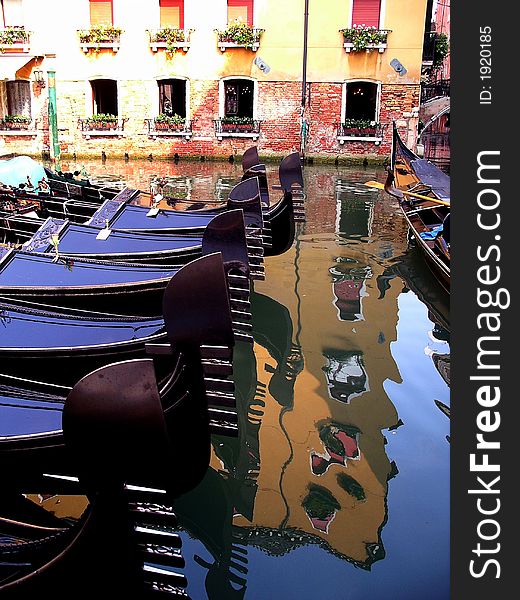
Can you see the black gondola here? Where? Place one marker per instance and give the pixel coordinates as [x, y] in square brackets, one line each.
[113, 286]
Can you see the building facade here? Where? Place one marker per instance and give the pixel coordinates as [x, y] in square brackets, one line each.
[199, 78]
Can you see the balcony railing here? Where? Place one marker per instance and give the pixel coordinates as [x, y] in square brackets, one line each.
[90, 128]
[161, 129]
[239, 35]
[435, 90]
[224, 129]
[14, 39]
[350, 133]
[364, 39]
[170, 38]
[100, 37]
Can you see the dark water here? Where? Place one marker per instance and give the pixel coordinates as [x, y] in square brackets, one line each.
[337, 485]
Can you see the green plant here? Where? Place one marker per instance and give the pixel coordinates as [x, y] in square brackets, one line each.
[17, 119]
[174, 119]
[240, 33]
[361, 37]
[14, 35]
[237, 120]
[99, 34]
[102, 118]
[170, 36]
[360, 123]
[442, 49]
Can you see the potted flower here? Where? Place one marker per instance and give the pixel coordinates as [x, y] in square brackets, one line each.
[171, 37]
[362, 37]
[240, 34]
[16, 122]
[360, 127]
[100, 34]
[237, 124]
[102, 121]
[14, 35]
[170, 122]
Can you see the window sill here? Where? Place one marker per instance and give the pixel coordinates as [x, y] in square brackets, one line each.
[254, 135]
[114, 46]
[103, 133]
[358, 138]
[15, 48]
[380, 47]
[18, 132]
[155, 46]
[185, 134]
[223, 45]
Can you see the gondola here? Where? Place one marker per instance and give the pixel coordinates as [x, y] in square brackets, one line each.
[423, 191]
[73, 240]
[113, 286]
[120, 437]
[119, 211]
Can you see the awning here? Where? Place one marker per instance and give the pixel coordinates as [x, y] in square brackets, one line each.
[9, 65]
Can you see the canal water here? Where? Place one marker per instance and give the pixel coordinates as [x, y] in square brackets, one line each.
[337, 485]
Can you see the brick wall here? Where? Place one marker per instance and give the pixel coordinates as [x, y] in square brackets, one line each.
[278, 109]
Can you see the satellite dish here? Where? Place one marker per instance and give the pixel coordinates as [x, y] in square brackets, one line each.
[398, 67]
[264, 67]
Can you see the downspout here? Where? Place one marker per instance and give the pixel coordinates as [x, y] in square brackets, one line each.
[53, 120]
[304, 124]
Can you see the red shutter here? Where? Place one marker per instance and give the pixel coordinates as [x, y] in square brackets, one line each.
[101, 12]
[246, 5]
[366, 12]
[172, 13]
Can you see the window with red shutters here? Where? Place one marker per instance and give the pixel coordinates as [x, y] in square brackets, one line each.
[101, 12]
[172, 13]
[242, 10]
[366, 12]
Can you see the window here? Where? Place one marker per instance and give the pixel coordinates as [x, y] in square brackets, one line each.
[172, 97]
[361, 101]
[104, 96]
[101, 12]
[12, 13]
[18, 97]
[241, 10]
[171, 13]
[238, 98]
[366, 12]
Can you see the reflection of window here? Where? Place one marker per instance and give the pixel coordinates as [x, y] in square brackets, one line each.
[101, 12]
[12, 13]
[366, 12]
[104, 96]
[238, 98]
[241, 10]
[18, 96]
[346, 375]
[361, 101]
[172, 97]
[172, 13]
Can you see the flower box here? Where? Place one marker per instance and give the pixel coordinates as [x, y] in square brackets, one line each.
[239, 35]
[361, 38]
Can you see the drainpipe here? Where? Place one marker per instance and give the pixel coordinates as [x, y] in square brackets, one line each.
[53, 121]
[303, 129]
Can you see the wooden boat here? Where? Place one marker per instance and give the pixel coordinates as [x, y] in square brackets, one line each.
[73, 240]
[114, 286]
[117, 210]
[197, 327]
[423, 191]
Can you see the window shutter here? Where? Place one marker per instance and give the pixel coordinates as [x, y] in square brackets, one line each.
[366, 12]
[13, 13]
[100, 12]
[240, 9]
[172, 13]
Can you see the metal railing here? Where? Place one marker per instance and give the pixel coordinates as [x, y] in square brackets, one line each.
[435, 89]
[252, 128]
[103, 127]
[162, 128]
[360, 132]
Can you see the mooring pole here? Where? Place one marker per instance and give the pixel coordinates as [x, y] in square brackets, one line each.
[53, 120]
[303, 127]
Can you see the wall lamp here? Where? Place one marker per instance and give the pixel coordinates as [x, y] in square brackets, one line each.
[39, 79]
